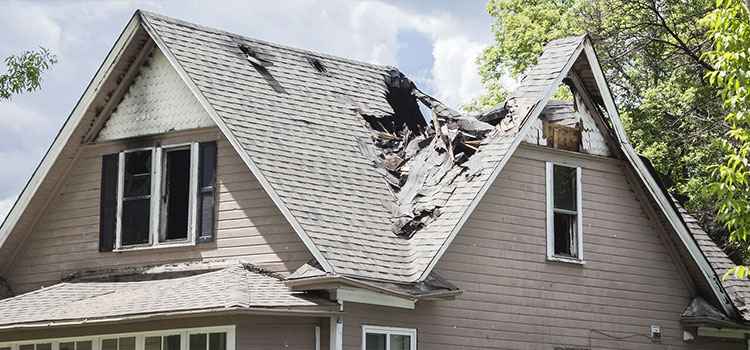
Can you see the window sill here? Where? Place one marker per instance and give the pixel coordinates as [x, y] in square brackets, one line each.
[152, 247]
[566, 260]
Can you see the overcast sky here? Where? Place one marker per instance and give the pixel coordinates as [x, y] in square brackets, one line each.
[436, 44]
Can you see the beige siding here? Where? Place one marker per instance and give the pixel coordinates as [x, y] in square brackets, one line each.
[252, 332]
[65, 239]
[514, 299]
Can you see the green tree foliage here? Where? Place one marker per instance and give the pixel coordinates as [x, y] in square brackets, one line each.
[652, 54]
[24, 72]
[729, 29]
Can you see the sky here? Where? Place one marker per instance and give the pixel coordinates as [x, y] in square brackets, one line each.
[435, 43]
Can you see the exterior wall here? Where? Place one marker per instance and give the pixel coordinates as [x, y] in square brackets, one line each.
[514, 299]
[252, 332]
[66, 237]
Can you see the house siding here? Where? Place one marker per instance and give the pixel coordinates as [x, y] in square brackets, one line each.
[514, 299]
[65, 238]
[261, 332]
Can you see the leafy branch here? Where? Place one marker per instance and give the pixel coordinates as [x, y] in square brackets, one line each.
[24, 72]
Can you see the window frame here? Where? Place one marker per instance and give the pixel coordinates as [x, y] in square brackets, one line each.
[388, 331]
[140, 337]
[158, 162]
[550, 199]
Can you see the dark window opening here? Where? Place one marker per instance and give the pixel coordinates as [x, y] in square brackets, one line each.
[176, 194]
[565, 211]
[136, 198]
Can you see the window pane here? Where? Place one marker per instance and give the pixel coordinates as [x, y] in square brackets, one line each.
[564, 187]
[565, 235]
[153, 343]
[400, 342]
[137, 181]
[83, 345]
[67, 346]
[135, 221]
[198, 341]
[177, 193]
[109, 344]
[26, 347]
[217, 341]
[171, 342]
[5, 348]
[127, 343]
[45, 346]
[374, 341]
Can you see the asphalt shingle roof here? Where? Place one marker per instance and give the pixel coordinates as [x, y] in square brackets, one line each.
[302, 128]
[738, 290]
[231, 287]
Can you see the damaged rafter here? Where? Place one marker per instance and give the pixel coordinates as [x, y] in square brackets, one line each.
[422, 160]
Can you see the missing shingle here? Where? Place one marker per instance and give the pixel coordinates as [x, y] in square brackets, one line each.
[317, 64]
[253, 56]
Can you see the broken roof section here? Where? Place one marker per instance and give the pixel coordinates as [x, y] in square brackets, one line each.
[374, 189]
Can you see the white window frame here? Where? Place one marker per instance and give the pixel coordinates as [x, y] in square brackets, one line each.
[140, 338]
[551, 215]
[158, 162]
[388, 331]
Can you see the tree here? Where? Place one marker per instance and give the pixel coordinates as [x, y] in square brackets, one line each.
[729, 29]
[24, 72]
[652, 54]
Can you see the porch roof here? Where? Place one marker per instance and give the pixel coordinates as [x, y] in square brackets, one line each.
[234, 288]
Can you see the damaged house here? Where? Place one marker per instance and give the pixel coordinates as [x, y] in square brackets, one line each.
[212, 191]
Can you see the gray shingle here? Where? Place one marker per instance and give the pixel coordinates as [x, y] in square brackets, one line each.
[231, 287]
[302, 129]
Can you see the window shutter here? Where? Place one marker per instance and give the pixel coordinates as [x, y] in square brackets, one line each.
[206, 192]
[108, 202]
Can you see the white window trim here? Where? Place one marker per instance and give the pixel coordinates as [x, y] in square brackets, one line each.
[157, 163]
[388, 331]
[140, 338]
[551, 220]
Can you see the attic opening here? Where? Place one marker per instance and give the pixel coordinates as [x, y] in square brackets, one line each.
[422, 161]
[254, 57]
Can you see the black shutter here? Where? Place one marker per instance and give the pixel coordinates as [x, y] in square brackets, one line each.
[206, 192]
[108, 202]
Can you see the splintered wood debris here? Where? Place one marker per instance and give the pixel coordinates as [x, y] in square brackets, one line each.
[420, 160]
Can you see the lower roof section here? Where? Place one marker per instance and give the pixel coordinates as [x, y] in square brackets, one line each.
[237, 288]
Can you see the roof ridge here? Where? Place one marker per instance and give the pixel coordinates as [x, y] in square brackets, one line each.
[158, 16]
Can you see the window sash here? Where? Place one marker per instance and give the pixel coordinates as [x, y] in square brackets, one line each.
[388, 331]
[140, 337]
[577, 243]
[155, 218]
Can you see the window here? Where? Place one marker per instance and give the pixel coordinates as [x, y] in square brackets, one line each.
[211, 338]
[145, 218]
[564, 225]
[388, 338]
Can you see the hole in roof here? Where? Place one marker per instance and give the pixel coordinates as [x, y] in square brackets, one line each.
[253, 56]
[317, 64]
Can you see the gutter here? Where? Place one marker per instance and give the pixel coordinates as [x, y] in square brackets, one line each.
[229, 311]
[300, 284]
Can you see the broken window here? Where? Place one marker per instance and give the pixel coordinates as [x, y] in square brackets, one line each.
[157, 192]
[564, 236]
[175, 201]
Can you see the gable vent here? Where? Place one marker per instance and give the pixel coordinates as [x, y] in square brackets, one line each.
[253, 56]
[317, 64]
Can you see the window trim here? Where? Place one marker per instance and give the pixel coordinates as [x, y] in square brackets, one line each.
[140, 337]
[550, 185]
[388, 331]
[157, 182]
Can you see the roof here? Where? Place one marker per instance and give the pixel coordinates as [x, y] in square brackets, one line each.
[738, 289]
[233, 288]
[304, 131]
